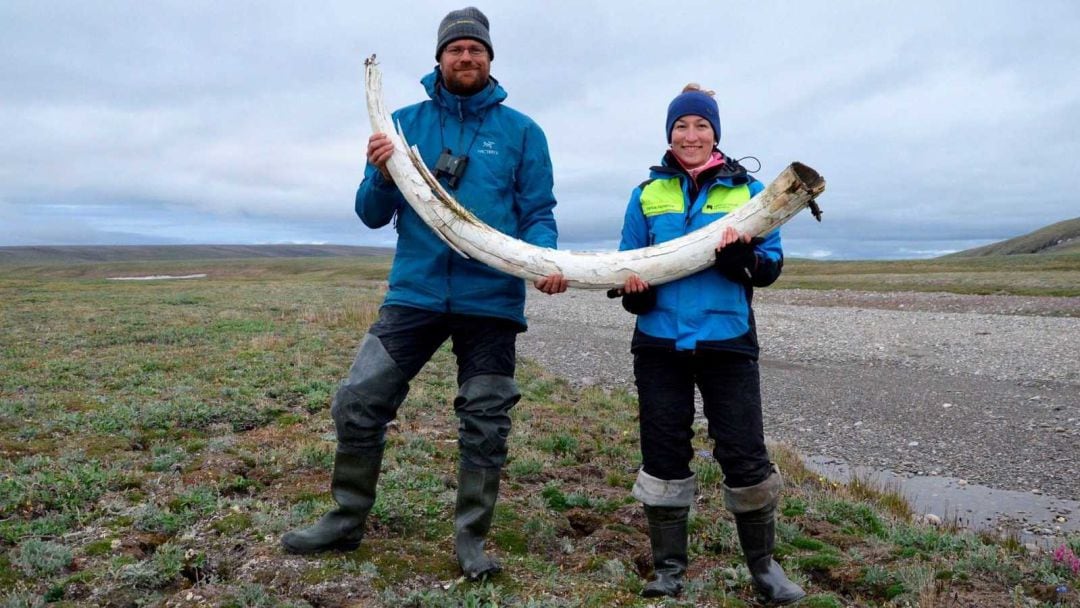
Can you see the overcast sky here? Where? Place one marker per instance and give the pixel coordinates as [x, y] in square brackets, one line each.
[938, 125]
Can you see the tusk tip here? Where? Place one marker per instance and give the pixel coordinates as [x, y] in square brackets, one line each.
[810, 178]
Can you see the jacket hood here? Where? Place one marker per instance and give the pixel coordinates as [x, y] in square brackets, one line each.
[476, 104]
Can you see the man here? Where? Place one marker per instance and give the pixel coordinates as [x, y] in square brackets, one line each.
[495, 161]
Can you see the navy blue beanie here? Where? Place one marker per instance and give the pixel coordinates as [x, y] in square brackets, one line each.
[697, 103]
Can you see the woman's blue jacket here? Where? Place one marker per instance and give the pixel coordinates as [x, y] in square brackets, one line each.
[706, 309]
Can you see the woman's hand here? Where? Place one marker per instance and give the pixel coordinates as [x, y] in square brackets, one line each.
[634, 284]
[637, 297]
[731, 235]
[735, 257]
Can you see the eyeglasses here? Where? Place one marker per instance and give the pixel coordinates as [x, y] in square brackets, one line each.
[458, 51]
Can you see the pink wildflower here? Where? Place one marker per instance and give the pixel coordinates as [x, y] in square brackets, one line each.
[1064, 555]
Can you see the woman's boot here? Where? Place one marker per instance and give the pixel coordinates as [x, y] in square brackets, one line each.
[667, 507]
[668, 538]
[754, 508]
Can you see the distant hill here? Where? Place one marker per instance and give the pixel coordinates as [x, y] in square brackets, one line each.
[134, 253]
[1062, 237]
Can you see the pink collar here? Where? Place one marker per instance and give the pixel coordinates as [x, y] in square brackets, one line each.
[715, 160]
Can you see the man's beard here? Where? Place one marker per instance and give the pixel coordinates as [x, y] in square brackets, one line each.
[457, 87]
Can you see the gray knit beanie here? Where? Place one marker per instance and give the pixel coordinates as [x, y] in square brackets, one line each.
[468, 22]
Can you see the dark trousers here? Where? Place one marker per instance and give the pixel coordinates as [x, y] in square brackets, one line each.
[399, 343]
[731, 392]
[482, 345]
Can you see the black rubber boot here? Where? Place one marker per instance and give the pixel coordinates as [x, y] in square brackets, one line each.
[478, 489]
[668, 537]
[353, 488]
[757, 535]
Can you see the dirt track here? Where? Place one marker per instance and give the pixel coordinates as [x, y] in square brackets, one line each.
[983, 388]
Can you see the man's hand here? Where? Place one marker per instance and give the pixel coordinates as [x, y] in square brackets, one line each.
[551, 284]
[379, 150]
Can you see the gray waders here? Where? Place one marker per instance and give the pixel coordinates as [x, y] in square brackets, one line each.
[362, 407]
[353, 488]
[483, 409]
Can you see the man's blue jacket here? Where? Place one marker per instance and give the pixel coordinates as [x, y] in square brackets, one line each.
[507, 183]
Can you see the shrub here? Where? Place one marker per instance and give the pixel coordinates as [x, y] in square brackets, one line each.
[821, 601]
[21, 599]
[853, 517]
[525, 467]
[39, 558]
[561, 443]
[250, 596]
[154, 573]
[558, 501]
[708, 472]
[70, 486]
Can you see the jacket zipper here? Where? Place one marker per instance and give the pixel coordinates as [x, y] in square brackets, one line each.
[450, 257]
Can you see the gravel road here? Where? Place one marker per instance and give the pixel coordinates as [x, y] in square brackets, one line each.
[982, 388]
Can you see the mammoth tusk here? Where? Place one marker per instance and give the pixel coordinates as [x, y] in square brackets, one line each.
[794, 189]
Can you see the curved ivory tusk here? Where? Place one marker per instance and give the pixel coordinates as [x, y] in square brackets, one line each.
[795, 188]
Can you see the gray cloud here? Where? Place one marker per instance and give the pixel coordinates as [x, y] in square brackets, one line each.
[938, 127]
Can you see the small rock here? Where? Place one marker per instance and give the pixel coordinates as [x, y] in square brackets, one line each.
[946, 405]
[913, 444]
[1037, 491]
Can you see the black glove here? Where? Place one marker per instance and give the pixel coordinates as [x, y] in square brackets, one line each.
[738, 261]
[635, 303]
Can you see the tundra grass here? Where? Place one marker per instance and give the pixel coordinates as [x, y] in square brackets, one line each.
[157, 438]
[1021, 275]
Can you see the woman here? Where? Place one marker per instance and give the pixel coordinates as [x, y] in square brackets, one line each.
[700, 331]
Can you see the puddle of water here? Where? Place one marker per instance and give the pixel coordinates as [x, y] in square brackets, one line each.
[1037, 519]
[158, 277]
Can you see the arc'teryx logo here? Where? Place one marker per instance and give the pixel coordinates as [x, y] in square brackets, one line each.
[487, 147]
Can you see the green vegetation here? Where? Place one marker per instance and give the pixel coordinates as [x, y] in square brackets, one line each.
[156, 438]
[1024, 275]
[71, 254]
[1062, 237]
